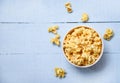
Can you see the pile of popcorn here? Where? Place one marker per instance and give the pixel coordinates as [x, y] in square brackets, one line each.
[82, 46]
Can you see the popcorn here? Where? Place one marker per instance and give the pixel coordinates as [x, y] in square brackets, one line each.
[59, 72]
[56, 40]
[53, 29]
[84, 17]
[82, 46]
[68, 7]
[108, 34]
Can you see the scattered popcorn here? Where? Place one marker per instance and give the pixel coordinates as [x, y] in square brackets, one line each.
[56, 40]
[108, 34]
[59, 72]
[85, 17]
[68, 7]
[53, 29]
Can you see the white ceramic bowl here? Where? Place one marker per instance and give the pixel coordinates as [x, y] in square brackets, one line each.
[86, 65]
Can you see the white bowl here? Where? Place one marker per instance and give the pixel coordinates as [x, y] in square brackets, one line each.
[86, 65]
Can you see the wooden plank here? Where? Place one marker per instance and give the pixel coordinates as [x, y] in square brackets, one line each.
[40, 68]
[34, 38]
[49, 11]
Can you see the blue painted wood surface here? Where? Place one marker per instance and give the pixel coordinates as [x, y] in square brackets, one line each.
[26, 54]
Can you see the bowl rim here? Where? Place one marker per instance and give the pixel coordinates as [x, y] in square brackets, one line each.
[100, 53]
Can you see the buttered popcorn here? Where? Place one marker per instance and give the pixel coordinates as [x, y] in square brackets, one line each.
[59, 72]
[84, 17]
[53, 29]
[68, 7]
[82, 46]
[56, 40]
[108, 34]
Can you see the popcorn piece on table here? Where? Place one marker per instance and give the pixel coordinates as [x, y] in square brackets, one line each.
[108, 34]
[59, 72]
[53, 29]
[84, 17]
[68, 7]
[56, 40]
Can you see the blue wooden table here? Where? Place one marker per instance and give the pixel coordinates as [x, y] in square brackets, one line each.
[26, 54]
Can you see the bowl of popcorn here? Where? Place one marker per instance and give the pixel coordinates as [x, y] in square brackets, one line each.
[82, 46]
